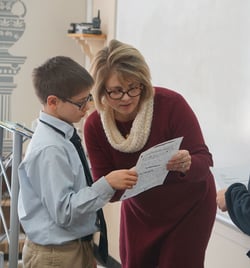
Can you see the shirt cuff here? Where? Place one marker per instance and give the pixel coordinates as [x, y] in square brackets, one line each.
[103, 188]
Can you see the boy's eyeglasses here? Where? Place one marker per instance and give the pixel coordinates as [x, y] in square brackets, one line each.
[80, 105]
[117, 93]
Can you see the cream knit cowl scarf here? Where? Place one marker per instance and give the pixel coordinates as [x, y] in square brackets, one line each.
[139, 132]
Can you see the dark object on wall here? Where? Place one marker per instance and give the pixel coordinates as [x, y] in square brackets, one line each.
[87, 27]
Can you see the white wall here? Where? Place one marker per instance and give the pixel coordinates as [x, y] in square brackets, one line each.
[201, 49]
[47, 23]
[108, 15]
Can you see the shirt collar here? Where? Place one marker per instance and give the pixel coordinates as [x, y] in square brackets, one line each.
[65, 127]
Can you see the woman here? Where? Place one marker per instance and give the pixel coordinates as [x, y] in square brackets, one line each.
[167, 226]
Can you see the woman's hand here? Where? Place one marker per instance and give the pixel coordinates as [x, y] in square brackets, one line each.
[181, 162]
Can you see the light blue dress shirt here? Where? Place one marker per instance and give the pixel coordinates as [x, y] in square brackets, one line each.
[55, 204]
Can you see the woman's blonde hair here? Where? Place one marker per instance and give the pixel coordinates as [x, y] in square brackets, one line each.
[127, 62]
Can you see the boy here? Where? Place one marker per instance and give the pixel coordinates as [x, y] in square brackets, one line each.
[57, 207]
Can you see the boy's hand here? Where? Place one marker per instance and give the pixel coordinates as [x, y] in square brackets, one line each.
[221, 201]
[122, 179]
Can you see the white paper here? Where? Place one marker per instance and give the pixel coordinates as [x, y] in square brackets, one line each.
[226, 176]
[151, 166]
